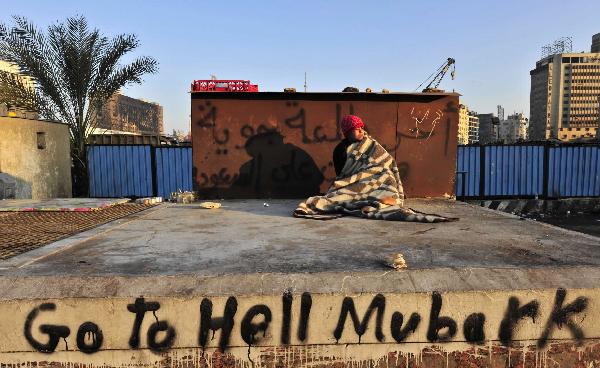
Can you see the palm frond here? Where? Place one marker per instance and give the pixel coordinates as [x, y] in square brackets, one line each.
[75, 68]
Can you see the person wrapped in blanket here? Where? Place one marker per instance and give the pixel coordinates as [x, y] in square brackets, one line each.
[367, 182]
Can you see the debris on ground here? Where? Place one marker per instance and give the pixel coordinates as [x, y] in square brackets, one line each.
[210, 205]
[265, 204]
[149, 200]
[183, 197]
[396, 262]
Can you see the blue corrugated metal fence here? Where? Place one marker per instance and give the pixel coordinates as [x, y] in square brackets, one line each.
[528, 171]
[467, 168]
[138, 171]
[574, 171]
[173, 170]
[513, 171]
[482, 171]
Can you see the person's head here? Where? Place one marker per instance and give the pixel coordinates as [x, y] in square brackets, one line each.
[353, 128]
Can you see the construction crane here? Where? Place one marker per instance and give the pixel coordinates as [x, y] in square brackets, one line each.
[439, 75]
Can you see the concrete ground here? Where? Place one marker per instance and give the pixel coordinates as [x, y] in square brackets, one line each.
[263, 270]
[245, 245]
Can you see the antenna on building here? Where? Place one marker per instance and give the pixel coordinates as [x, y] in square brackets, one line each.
[305, 86]
[559, 46]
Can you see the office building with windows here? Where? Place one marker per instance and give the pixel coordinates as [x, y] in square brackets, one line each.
[564, 96]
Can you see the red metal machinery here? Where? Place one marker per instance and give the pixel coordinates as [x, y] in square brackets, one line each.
[212, 85]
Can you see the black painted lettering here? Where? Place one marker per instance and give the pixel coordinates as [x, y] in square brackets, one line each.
[140, 307]
[562, 316]
[305, 306]
[164, 344]
[286, 301]
[225, 323]
[54, 332]
[437, 323]
[251, 329]
[360, 327]
[514, 314]
[89, 329]
[474, 329]
[400, 333]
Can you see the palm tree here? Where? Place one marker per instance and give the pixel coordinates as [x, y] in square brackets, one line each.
[75, 71]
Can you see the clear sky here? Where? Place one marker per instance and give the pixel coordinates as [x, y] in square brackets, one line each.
[377, 44]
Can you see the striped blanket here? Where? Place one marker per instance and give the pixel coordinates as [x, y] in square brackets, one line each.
[369, 186]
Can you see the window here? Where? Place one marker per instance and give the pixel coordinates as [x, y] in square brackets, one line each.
[41, 140]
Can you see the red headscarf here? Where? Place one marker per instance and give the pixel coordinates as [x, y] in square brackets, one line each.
[351, 122]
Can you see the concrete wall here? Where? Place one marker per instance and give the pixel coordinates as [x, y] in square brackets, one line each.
[280, 145]
[38, 172]
[520, 328]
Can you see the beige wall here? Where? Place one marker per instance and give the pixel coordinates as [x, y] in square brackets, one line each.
[39, 173]
[480, 319]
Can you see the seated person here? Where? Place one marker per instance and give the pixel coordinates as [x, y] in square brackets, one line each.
[367, 183]
[352, 129]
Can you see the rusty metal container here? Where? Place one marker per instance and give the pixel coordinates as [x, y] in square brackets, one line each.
[280, 145]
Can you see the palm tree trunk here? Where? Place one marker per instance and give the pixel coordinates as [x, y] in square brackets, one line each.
[79, 169]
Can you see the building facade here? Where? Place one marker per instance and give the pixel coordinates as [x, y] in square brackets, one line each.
[598, 126]
[513, 129]
[468, 125]
[564, 93]
[463, 124]
[488, 128]
[500, 112]
[473, 127]
[123, 114]
[16, 111]
[596, 43]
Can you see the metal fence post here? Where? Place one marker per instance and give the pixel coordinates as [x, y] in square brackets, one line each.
[153, 168]
[481, 171]
[545, 171]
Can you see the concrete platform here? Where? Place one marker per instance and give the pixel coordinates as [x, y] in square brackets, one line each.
[59, 204]
[244, 237]
[270, 265]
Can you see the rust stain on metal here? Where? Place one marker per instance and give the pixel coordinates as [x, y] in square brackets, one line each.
[279, 145]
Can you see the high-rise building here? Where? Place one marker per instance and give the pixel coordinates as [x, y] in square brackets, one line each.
[473, 127]
[463, 124]
[123, 114]
[596, 42]
[513, 129]
[500, 112]
[564, 92]
[488, 128]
